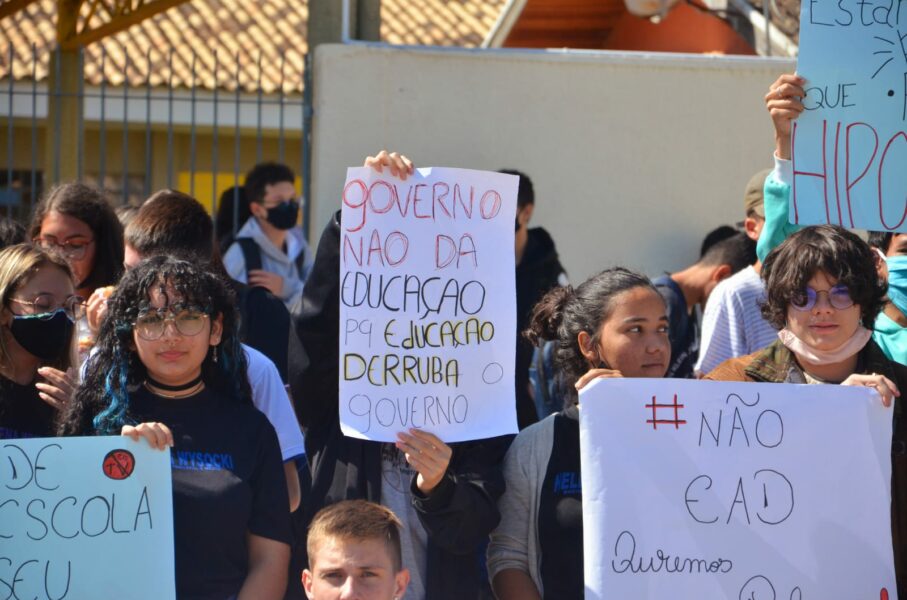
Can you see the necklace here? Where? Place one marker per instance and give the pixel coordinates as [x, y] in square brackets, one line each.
[184, 391]
[173, 388]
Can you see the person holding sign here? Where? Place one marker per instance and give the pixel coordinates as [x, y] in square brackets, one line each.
[784, 102]
[821, 288]
[38, 311]
[445, 494]
[612, 325]
[169, 368]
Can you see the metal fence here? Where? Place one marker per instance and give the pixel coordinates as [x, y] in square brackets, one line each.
[144, 132]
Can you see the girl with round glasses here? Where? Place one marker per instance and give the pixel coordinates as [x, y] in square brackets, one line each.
[168, 367]
[822, 289]
[38, 308]
[823, 292]
[77, 223]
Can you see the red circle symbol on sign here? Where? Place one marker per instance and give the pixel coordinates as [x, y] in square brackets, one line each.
[119, 464]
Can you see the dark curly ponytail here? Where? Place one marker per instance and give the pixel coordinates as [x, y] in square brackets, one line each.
[564, 312]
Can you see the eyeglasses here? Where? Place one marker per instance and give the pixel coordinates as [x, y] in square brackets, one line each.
[838, 297]
[45, 307]
[73, 250]
[150, 326]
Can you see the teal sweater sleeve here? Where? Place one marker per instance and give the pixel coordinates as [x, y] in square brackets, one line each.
[777, 227]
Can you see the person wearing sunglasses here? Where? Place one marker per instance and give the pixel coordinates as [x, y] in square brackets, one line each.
[824, 293]
[168, 367]
[38, 309]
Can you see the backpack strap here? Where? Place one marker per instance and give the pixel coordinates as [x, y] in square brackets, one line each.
[251, 253]
[300, 264]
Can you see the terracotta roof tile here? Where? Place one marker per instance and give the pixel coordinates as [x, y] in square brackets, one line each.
[238, 32]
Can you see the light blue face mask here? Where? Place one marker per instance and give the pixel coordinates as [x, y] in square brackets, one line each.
[890, 336]
[897, 281]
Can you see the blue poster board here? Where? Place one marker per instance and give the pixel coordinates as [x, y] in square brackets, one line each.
[850, 145]
[85, 518]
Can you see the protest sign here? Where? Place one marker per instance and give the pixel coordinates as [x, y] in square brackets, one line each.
[427, 304]
[85, 518]
[850, 145]
[735, 490]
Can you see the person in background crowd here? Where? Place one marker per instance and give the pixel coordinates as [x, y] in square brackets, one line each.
[821, 288]
[722, 232]
[11, 232]
[612, 325]
[77, 222]
[446, 497]
[171, 223]
[732, 324]
[232, 212]
[890, 328]
[537, 271]
[687, 291]
[354, 552]
[169, 368]
[274, 254]
[38, 309]
[126, 213]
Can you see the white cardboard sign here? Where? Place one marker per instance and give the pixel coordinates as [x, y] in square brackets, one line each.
[735, 490]
[427, 304]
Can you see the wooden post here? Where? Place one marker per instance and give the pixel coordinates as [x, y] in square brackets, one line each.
[64, 107]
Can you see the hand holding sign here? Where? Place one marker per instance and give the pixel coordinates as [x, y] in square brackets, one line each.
[157, 435]
[784, 103]
[397, 164]
[426, 454]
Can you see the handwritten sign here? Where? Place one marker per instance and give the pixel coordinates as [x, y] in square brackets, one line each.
[85, 518]
[428, 304]
[735, 490]
[850, 145]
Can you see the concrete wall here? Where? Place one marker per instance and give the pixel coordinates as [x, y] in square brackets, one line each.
[634, 157]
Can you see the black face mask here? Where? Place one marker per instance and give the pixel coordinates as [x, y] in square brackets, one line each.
[284, 215]
[44, 338]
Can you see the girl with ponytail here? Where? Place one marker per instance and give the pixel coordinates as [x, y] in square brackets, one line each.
[169, 368]
[613, 325]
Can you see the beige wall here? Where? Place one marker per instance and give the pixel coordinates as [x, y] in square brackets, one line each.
[634, 157]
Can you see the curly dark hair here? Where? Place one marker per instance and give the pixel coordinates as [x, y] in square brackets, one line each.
[88, 205]
[101, 404]
[839, 253]
[564, 312]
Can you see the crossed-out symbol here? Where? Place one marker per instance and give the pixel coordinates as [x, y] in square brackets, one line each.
[655, 421]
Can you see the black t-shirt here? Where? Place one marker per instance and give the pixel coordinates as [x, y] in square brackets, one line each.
[22, 412]
[228, 479]
[561, 513]
[683, 328]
